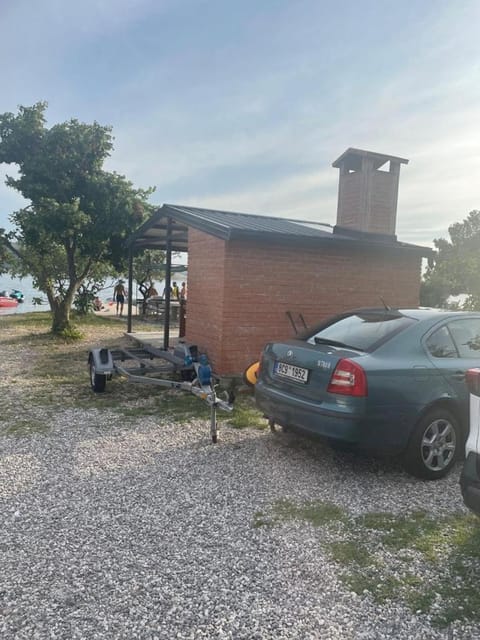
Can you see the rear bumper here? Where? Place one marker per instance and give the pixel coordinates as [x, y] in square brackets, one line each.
[470, 482]
[386, 431]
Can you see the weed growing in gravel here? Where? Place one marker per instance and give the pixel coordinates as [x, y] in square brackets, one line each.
[245, 414]
[349, 551]
[378, 553]
[316, 512]
[25, 427]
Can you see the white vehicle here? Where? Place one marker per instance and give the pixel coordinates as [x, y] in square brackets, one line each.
[470, 478]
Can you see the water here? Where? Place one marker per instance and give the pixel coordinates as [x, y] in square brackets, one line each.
[25, 285]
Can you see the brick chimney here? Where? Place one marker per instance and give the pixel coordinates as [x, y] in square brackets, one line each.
[367, 192]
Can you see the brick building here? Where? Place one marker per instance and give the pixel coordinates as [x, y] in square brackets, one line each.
[245, 272]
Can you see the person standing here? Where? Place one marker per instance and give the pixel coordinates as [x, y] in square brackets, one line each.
[174, 290]
[151, 291]
[183, 291]
[119, 296]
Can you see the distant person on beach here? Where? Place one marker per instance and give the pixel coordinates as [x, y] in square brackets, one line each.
[183, 291]
[175, 292]
[97, 304]
[119, 296]
[151, 291]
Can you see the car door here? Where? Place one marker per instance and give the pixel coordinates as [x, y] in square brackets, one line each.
[453, 348]
[470, 476]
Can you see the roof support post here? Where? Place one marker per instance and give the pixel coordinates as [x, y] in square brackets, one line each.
[130, 288]
[168, 277]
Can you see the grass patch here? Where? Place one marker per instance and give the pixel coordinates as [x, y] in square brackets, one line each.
[376, 552]
[349, 551]
[26, 427]
[315, 512]
[246, 415]
[35, 320]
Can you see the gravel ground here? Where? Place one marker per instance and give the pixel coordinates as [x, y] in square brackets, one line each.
[121, 531]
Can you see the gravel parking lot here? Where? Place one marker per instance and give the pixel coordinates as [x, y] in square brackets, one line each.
[144, 529]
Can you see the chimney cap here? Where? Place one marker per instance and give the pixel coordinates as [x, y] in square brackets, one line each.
[379, 158]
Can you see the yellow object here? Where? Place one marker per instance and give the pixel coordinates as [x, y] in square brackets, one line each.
[251, 373]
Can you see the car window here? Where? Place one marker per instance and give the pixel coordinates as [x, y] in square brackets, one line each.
[466, 335]
[364, 331]
[441, 345]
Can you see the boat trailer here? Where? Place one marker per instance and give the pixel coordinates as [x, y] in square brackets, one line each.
[194, 371]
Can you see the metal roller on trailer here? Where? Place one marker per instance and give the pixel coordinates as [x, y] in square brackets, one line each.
[147, 364]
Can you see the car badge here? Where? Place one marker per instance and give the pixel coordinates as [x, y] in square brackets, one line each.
[289, 353]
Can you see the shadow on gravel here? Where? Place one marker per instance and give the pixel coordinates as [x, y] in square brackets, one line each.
[346, 459]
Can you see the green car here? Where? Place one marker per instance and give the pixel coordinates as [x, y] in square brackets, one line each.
[390, 381]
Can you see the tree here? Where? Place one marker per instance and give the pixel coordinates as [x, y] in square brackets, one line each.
[80, 215]
[457, 265]
[148, 266]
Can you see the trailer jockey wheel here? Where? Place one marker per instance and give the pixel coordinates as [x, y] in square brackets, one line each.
[97, 380]
[214, 424]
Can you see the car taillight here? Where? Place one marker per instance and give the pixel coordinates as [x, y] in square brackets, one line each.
[473, 381]
[348, 379]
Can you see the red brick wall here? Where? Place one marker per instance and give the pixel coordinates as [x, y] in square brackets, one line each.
[239, 291]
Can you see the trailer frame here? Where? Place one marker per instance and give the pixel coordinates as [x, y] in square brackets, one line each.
[195, 373]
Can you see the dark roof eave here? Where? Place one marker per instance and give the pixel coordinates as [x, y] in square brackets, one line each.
[331, 240]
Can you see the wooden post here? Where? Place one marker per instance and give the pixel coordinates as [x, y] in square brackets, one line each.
[130, 287]
[182, 318]
[168, 278]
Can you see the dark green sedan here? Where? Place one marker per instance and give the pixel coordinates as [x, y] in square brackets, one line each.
[390, 381]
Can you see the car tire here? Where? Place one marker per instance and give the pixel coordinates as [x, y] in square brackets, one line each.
[97, 380]
[434, 445]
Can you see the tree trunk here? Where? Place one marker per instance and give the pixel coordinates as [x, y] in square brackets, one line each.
[61, 312]
[61, 317]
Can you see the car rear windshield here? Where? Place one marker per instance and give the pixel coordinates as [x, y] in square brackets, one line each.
[363, 331]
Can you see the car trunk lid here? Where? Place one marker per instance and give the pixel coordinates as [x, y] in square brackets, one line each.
[302, 368]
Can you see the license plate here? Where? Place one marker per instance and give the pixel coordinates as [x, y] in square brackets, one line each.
[299, 374]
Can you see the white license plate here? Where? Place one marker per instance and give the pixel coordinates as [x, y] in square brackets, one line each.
[299, 374]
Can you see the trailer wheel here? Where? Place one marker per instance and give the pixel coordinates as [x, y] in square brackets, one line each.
[97, 380]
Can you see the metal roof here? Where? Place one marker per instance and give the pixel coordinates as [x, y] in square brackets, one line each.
[229, 225]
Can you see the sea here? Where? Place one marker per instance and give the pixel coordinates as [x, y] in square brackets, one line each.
[25, 285]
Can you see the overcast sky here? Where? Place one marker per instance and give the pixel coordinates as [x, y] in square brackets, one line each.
[244, 105]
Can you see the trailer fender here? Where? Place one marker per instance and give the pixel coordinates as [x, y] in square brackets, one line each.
[102, 361]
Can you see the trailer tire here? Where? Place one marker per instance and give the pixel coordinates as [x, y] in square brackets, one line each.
[97, 380]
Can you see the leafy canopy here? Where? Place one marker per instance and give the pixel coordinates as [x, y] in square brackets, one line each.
[80, 215]
[457, 265]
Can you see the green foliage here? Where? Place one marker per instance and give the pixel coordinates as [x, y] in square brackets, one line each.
[70, 333]
[83, 301]
[80, 215]
[85, 296]
[456, 267]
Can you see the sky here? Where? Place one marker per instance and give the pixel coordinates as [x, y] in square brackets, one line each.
[243, 106]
